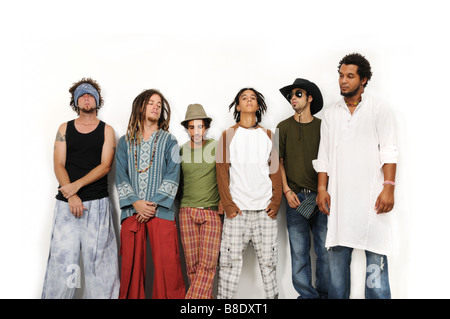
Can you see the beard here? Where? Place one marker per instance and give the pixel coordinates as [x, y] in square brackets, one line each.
[352, 93]
[299, 108]
[152, 118]
[88, 110]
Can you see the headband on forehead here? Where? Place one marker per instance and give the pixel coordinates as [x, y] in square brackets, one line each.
[83, 89]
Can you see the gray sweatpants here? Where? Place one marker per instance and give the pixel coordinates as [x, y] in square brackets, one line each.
[93, 235]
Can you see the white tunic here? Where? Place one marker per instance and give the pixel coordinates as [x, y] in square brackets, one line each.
[352, 151]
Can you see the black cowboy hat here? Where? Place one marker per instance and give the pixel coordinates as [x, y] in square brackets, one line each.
[310, 88]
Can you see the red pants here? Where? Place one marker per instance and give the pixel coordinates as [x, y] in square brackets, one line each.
[168, 280]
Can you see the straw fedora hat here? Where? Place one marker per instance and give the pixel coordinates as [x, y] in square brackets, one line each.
[195, 112]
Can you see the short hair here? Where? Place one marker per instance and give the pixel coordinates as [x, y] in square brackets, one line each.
[364, 69]
[206, 122]
[260, 100]
[77, 84]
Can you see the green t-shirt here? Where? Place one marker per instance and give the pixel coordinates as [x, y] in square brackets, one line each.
[298, 146]
[199, 182]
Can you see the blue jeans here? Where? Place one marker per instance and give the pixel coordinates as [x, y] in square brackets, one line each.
[300, 243]
[377, 278]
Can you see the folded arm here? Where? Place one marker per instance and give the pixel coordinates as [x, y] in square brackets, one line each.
[107, 158]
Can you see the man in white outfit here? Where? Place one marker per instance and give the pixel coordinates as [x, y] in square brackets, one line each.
[356, 165]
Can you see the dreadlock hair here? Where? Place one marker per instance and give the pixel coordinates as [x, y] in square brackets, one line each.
[364, 69]
[259, 98]
[77, 84]
[137, 117]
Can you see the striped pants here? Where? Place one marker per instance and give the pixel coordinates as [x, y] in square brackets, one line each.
[200, 231]
[255, 226]
[91, 235]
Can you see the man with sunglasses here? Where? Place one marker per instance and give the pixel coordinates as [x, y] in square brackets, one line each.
[299, 137]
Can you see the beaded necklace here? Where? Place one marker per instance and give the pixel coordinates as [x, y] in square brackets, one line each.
[153, 154]
[352, 104]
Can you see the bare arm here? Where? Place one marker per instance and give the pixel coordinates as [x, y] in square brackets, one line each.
[291, 197]
[323, 198]
[59, 156]
[385, 201]
[59, 163]
[108, 151]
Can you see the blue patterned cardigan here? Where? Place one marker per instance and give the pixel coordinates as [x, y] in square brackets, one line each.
[159, 184]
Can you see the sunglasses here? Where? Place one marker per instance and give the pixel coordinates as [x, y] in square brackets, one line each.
[297, 93]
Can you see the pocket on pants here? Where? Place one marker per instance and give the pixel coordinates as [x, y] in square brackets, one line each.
[274, 255]
[230, 248]
[225, 256]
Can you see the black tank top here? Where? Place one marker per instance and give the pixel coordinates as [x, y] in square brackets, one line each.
[84, 152]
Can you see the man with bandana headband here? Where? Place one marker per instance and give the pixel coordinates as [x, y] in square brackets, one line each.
[299, 137]
[83, 155]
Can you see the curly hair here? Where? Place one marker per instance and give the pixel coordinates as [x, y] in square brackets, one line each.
[91, 82]
[259, 98]
[364, 69]
[137, 117]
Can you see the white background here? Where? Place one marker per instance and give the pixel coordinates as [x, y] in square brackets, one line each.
[204, 52]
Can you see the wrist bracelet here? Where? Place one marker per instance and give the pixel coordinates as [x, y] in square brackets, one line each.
[389, 183]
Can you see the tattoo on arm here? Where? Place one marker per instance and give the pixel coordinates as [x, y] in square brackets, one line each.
[60, 137]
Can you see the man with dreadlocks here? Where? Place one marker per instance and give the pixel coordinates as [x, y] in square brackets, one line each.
[83, 156]
[147, 177]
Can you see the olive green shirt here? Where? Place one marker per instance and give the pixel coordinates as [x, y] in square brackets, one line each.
[298, 147]
[198, 175]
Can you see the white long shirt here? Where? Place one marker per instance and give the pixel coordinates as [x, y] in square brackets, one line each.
[352, 151]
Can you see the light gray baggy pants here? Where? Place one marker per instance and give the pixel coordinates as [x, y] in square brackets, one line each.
[93, 235]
